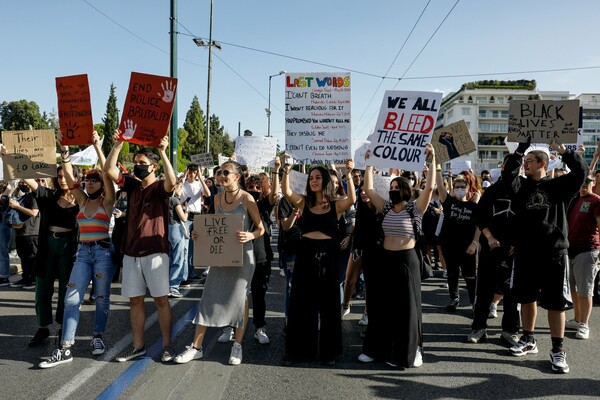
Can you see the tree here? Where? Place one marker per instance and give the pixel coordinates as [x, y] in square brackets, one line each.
[22, 114]
[182, 160]
[220, 142]
[194, 126]
[111, 120]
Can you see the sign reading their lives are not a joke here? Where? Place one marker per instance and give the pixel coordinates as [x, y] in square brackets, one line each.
[148, 108]
[216, 244]
[74, 109]
[29, 154]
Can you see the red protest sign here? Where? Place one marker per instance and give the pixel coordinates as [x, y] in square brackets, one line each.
[148, 108]
[74, 109]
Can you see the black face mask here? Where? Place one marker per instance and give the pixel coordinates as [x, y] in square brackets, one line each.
[255, 195]
[24, 188]
[395, 196]
[95, 195]
[141, 171]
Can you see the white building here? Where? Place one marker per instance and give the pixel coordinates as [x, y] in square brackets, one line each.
[590, 102]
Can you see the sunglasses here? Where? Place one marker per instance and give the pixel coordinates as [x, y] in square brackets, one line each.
[91, 180]
[226, 172]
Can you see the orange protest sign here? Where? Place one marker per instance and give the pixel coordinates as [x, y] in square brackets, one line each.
[74, 109]
[148, 108]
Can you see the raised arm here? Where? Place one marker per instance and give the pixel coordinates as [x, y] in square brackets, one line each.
[275, 180]
[296, 199]
[371, 193]
[344, 204]
[98, 149]
[110, 166]
[425, 195]
[72, 183]
[170, 178]
[439, 179]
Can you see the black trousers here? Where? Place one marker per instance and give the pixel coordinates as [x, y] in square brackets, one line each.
[457, 261]
[259, 287]
[27, 248]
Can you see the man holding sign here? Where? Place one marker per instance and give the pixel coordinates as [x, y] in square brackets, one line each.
[145, 245]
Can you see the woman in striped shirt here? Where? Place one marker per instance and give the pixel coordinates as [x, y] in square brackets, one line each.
[94, 258]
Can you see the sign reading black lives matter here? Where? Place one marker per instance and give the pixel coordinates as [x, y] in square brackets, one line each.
[317, 117]
[404, 127]
[543, 121]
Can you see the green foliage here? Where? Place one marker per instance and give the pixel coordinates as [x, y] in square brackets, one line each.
[494, 84]
[182, 160]
[22, 114]
[110, 120]
[194, 125]
[220, 141]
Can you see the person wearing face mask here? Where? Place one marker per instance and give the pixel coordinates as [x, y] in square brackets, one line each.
[94, 257]
[459, 237]
[26, 235]
[394, 275]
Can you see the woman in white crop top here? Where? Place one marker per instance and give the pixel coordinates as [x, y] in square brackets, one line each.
[394, 282]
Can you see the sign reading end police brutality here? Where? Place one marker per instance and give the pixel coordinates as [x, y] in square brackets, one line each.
[148, 108]
[29, 154]
[217, 244]
[404, 127]
[543, 121]
[317, 117]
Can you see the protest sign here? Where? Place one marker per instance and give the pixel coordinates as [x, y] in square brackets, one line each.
[216, 244]
[495, 174]
[452, 141]
[298, 182]
[255, 151]
[148, 108]
[29, 154]
[456, 166]
[543, 121]
[222, 159]
[404, 127]
[317, 117]
[1, 169]
[203, 160]
[74, 109]
[87, 156]
[381, 184]
[359, 148]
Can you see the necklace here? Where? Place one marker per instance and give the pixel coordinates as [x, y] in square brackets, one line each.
[231, 191]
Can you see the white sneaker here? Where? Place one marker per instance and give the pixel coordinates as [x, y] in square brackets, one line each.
[236, 354]
[282, 273]
[261, 336]
[364, 321]
[418, 358]
[98, 347]
[572, 324]
[365, 358]
[226, 336]
[511, 338]
[190, 353]
[559, 362]
[493, 311]
[476, 335]
[583, 332]
[345, 310]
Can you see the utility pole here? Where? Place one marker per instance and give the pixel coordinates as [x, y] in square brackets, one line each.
[174, 139]
[210, 43]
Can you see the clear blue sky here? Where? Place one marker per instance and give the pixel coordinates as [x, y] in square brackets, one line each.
[45, 39]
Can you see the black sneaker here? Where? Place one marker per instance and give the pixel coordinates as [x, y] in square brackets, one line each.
[59, 356]
[28, 285]
[18, 284]
[185, 284]
[41, 335]
[131, 354]
[452, 306]
[4, 282]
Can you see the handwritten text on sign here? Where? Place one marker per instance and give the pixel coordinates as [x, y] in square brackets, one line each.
[74, 109]
[203, 160]
[452, 141]
[317, 117]
[404, 127]
[30, 154]
[255, 151]
[217, 244]
[543, 121]
[148, 108]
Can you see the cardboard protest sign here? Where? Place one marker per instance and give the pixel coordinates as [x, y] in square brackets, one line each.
[204, 159]
[452, 141]
[255, 151]
[360, 147]
[381, 184]
[217, 244]
[456, 166]
[74, 109]
[404, 127]
[29, 154]
[148, 108]
[543, 120]
[298, 182]
[317, 117]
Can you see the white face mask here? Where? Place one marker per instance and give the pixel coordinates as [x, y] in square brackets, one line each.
[460, 193]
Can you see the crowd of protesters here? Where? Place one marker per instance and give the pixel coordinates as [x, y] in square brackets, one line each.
[529, 238]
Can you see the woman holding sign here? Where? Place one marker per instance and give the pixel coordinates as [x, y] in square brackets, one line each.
[224, 300]
[394, 277]
[315, 295]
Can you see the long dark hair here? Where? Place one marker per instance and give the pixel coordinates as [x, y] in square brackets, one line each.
[237, 168]
[55, 178]
[327, 187]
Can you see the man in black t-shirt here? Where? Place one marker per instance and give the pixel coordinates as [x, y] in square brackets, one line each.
[26, 235]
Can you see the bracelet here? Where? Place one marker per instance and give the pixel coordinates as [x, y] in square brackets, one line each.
[75, 186]
[65, 160]
[475, 243]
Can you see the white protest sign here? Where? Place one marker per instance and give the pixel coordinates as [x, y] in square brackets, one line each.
[204, 159]
[298, 182]
[495, 174]
[222, 159]
[381, 184]
[458, 165]
[317, 117]
[404, 127]
[554, 163]
[359, 148]
[255, 151]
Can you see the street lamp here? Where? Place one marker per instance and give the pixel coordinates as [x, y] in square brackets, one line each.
[268, 110]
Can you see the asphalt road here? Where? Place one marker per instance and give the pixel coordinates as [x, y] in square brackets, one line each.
[453, 369]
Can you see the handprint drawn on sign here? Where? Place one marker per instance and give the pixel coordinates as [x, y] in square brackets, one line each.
[130, 128]
[72, 127]
[168, 91]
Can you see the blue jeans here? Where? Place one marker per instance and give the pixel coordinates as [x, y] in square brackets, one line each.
[177, 255]
[5, 233]
[92, 262]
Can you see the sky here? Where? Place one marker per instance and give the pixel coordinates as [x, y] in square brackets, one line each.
[108, 39]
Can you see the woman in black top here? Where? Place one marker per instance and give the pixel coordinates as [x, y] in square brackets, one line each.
[315, 296]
